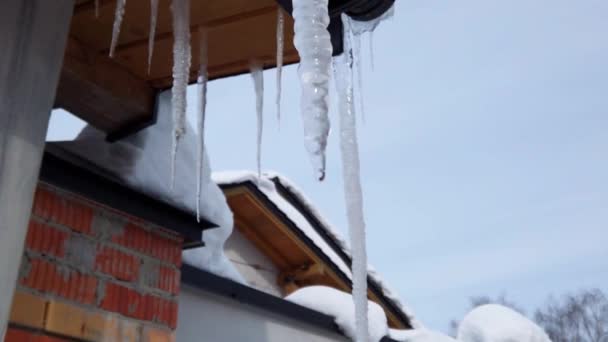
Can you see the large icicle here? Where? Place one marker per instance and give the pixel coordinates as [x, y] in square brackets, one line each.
[258, 83]
[343, 67]
[202, 103]
[357, 56]
[280, 48]
[313, 42]
[181, 73]
[152, 31]
[371, 50]
[118, 15]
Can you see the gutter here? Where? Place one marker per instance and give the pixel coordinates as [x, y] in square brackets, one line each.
[360, 10]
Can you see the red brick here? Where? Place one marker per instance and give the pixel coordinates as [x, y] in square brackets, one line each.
[124, 300]
[169, 279]
[161, 310]
[63, 209]
[135, 237]
[18, 335]
[45, 239]
[164, 248]
[111, 297]
[52, 339]
[118, 264]
[45, 276]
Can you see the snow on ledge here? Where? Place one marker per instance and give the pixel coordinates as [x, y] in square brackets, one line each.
[340, 305]
[418, 335]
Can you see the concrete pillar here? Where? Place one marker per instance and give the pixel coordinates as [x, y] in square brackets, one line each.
[33, 35]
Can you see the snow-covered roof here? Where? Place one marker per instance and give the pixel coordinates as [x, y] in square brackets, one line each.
[497, 323]
[292, 202]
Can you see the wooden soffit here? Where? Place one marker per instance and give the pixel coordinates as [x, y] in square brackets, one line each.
[117, 94]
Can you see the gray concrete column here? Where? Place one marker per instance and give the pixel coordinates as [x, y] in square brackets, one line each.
[33, 34]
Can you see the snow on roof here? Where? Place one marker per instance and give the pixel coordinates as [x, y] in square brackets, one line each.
[269, 184]
[497, 323]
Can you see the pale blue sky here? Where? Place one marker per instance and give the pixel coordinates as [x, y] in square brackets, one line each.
[484, 152]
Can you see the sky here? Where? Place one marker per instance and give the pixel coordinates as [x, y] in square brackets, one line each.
[484, 150]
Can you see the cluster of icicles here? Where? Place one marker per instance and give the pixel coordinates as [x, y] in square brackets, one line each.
[313, 42]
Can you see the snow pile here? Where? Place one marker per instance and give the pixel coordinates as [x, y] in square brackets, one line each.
[418, 335]
[486, 323]
[339, 304]
[268, 188]
[139, 162]
[496, 323]
[313, 42]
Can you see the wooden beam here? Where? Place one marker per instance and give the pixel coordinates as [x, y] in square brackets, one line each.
[101, 92]
[230, 68]
[89, 5]
[302, 273]
[289, 288]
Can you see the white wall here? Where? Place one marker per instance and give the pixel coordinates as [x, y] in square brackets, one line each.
[206, 317]
[258, 270]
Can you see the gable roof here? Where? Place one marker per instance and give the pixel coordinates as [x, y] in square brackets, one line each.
[298, 213]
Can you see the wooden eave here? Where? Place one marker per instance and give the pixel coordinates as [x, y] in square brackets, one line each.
[294, 254]
[117, 95]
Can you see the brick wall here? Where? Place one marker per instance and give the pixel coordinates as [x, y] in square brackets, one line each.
[92, 273]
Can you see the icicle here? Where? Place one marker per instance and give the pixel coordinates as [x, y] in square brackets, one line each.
[202, 103]
[358, 28]
[181, 73]
[356, 39]
[96, 8]
[258, 82]
[152, 32]
[371, 50]
[118, 15]
[280, 48]
[343, 67]
[313, 42]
